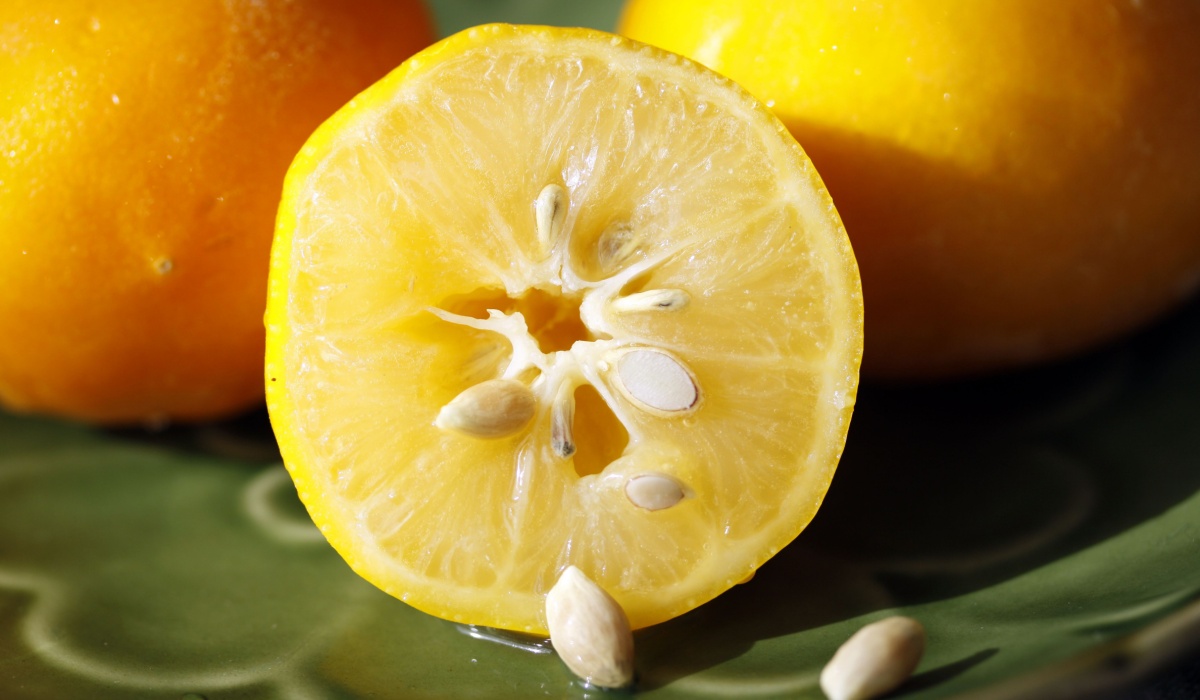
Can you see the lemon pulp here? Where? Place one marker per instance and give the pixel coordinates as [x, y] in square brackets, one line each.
[414, 259]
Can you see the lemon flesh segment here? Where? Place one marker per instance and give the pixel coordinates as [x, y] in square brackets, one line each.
[419, 254]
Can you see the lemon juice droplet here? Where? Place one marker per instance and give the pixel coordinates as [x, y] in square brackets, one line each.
[534, 644]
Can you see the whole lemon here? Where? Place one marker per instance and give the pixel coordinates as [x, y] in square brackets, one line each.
[1020, 179]
[143, 146]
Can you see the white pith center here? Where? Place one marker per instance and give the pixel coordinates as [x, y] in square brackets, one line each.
[650, 379]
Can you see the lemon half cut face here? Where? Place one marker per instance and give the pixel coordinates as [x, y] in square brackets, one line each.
[549, 297]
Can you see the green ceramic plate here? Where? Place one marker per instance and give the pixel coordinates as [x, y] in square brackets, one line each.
[1044, 526]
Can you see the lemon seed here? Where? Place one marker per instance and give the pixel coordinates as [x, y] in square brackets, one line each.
[616, 246]
[875, 660]
[657, 381]
[590, 631]
[653, 491]
[562, 422]
[491, 409]
[550, 210]
[652, 300]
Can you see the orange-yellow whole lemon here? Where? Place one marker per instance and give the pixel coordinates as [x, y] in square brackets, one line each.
[1020, 179]
[142, 151]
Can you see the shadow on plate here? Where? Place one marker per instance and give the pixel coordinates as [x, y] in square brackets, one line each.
[948, 489]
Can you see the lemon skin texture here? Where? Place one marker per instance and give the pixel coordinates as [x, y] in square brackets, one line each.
[142, 152]
[1019, 179]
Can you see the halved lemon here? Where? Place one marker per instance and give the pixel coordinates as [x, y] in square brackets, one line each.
[548, 297]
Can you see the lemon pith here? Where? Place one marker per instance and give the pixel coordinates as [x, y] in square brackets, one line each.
[417, 255]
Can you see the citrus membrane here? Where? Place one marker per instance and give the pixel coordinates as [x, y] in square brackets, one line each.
[547, 297]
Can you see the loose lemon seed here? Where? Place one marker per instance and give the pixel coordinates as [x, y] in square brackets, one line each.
[653, 491]
[550, 210]
[656, 381]
[875, 660]
[492, 409]
[589, 630]
[652, 300]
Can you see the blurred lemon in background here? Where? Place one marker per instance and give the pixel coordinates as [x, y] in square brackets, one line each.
[142, 153]
[1020, 179]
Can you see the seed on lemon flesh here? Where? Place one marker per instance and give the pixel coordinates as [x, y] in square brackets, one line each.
[562, 422]
[615, 246]
[875, 660]
[492, 409]
[652, 300]
[657, 381]
[550, 210]
[653, 491]
[589, 630]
